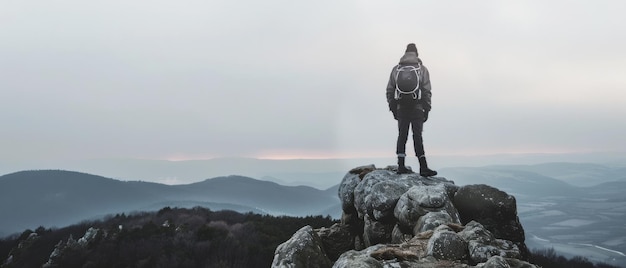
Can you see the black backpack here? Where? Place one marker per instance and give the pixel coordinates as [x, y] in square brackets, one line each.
[407, 81]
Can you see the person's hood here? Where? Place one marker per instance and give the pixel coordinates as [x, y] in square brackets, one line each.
[410, 58]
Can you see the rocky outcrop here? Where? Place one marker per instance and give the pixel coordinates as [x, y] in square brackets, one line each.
[71, 245]
[303, 249]
[405, 220]
[494, 209]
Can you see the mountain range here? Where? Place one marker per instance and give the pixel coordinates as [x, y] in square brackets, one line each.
[576, 208]
[318, 173]
[29, 199]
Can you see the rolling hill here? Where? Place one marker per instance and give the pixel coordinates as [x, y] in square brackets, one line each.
[29, 199]
[554, 208]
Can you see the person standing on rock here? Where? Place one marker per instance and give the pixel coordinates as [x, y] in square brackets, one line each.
[408, 95]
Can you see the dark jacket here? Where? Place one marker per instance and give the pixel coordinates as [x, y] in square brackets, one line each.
[406, 106]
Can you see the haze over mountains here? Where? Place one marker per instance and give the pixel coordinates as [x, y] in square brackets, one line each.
[318, 173]
[57, 198]
[576, 208]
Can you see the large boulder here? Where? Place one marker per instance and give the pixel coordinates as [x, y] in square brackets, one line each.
[376, 232]
[432, 220]
[383, 197]
[420, 200]
[445, 244]
[303, 249]
[359, 259]
[483, 245]
[347, 185]
[494, 209]
[364, 189]
[502, 262]
[405, 220]
[336, 240]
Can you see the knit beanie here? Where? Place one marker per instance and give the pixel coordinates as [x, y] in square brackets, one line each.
[411, 48]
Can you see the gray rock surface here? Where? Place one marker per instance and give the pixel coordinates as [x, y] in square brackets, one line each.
[405, 220]
[483, 245]
[502, 262]
[359, 259]
[336, 240]
[432, 220]
[445, 244]
[420, 200]
[376, 232]
[494, 209]
[303, 249]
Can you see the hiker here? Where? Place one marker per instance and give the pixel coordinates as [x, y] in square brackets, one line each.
[408, 95]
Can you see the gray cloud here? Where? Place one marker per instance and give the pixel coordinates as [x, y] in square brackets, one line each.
[196, 79]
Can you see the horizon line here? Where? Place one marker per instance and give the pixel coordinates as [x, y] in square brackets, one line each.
[295, 158]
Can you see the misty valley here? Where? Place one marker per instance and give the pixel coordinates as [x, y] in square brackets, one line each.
[575, 209]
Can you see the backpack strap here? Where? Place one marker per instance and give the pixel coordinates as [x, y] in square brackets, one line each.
[417, 74]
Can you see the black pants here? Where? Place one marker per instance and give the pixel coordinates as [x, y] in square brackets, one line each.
[416, 125]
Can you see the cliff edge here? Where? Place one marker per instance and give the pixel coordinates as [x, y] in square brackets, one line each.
[405, 220]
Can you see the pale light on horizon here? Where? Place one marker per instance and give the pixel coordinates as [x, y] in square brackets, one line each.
[324, 156]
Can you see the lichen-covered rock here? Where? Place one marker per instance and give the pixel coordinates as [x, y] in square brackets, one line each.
[445, 244]
[476, 231]
[379, 191]
[405, 220]
[358, 243]
[359, 259]
[303, 249]
[346, 192]
[496, 262]
[364, 188]
[494, 209]
[61, 248]
[362, 170]
[347, 185]
[90, 236]
[399, 236]
[350, 218]
[491, 207]
[411, 254]
[421, 199]
[480, 252]
[432, 220]
[336, 240]
[383, 197]
[502, 262]
[376, 232]
[482, 245]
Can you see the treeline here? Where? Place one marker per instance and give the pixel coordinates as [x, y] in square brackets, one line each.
[548, 258]
[178, 237]
[171, 237]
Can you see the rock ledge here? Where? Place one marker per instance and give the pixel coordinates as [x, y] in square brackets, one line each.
[405, 220]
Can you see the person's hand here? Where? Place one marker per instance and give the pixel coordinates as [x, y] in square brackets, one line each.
[426, 115]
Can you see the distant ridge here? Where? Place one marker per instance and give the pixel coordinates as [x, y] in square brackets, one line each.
[29, 199]
[551, 203]
[318, 173]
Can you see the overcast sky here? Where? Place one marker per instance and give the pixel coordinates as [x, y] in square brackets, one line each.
[305, 79]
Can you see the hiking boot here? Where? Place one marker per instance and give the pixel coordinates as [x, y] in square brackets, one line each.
[424, 170]
[404, 170]
[427, 172]
[401, 167]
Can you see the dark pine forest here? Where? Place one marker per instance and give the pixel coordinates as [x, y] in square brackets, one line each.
[171, 237]
[179, 237]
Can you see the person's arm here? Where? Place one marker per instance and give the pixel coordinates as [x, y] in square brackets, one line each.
[391, 91]
[425, 88]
